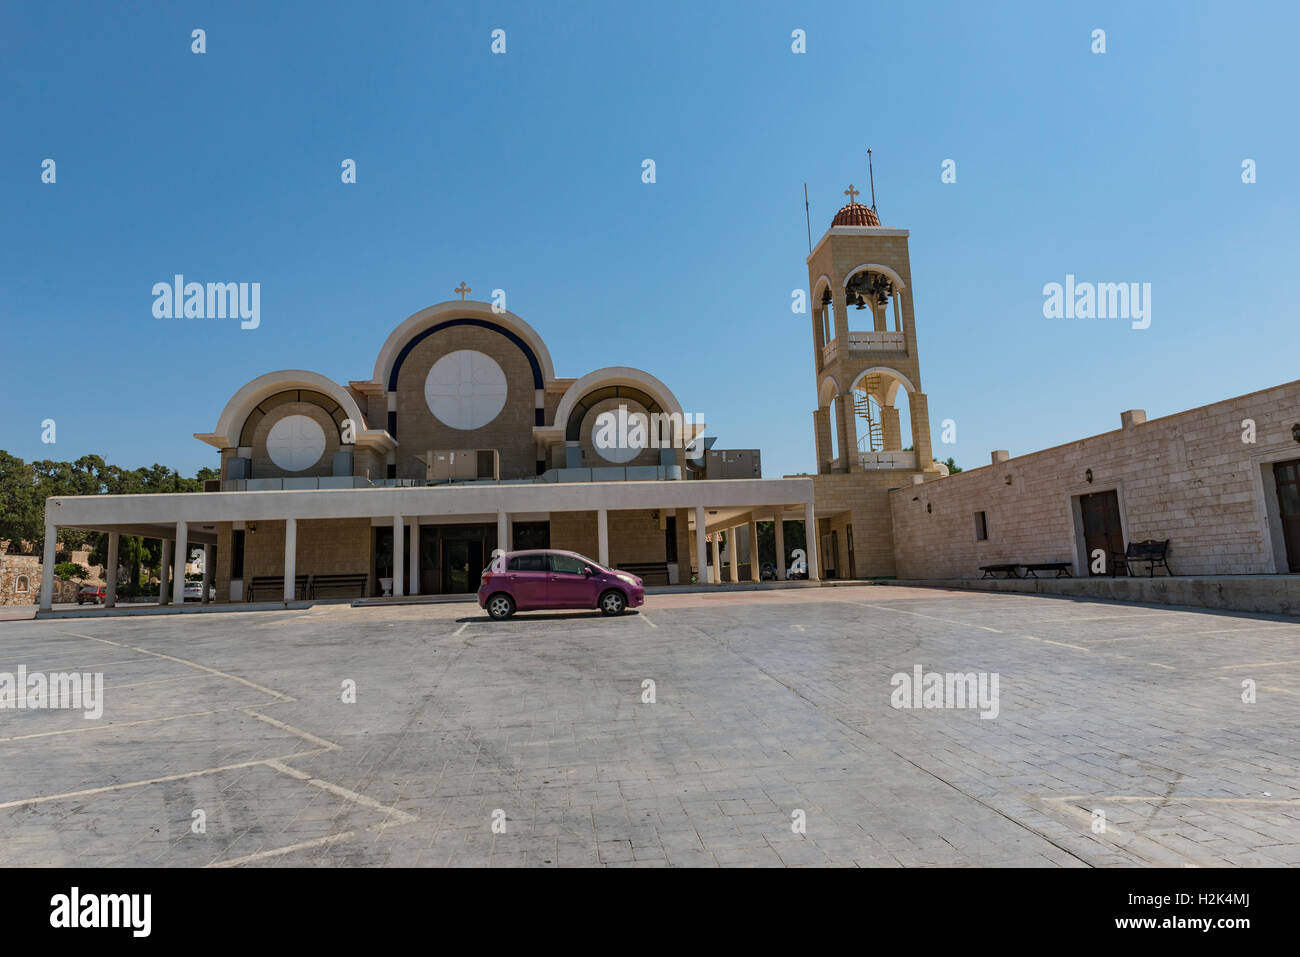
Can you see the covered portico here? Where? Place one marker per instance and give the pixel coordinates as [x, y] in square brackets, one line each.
[182, 520]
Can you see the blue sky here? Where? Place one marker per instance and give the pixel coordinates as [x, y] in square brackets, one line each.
[523, 171]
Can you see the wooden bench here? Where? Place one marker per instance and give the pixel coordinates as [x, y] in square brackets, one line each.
[275, 584]
[1062, 569]
[1008, 569]
[357, 581]
[650, 573]
[1150, 551]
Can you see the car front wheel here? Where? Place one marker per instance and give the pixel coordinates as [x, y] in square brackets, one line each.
[612, 603]
[500, 606]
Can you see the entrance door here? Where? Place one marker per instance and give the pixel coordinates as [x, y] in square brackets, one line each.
[430, 570]
[1101, 527]
[462, 563]
[830, 551]
[1287, 475]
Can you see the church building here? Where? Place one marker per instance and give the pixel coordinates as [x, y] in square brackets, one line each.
[464, 440]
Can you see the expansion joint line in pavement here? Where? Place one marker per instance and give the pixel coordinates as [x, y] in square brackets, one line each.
[880, 744]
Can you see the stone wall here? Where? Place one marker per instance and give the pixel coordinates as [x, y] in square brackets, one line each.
[325, 547]
[510, 433]
[862, 500]
[1188, 477]
[20, 579]
[634, 536]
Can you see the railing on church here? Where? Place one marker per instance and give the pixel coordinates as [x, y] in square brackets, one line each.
[295, 484]
[887, 460]
[877, 341]
[830, 351]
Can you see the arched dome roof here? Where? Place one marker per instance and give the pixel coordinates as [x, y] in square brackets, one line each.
[855, 214]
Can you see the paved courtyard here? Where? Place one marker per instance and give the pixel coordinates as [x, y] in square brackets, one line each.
[770, 708]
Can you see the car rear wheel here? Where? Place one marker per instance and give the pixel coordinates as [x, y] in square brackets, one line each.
[500, 606]
[612, 602]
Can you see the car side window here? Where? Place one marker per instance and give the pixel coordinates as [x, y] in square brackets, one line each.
[567, 565]
[528, 563]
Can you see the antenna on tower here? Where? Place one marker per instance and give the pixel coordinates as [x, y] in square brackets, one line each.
[807, 216]
[872, 173]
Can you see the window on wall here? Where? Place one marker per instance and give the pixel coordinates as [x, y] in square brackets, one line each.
[237, 553]
[981, 527]
[531, 535]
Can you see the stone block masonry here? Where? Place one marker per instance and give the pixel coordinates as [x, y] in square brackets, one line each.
[1195, 478]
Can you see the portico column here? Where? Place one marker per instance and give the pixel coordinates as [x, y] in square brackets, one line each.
[209, 554]
[178, 575]
[810, 535]
[290, 558]
[503, 529]
[47, 568]
[398, 566]
[110, 573]
[164, 563]
[778, 527]
[602, 537]
[415, 558]
[733, 552]
[701, 547]
[754, 572]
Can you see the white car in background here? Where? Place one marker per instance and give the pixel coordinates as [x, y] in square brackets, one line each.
[194, 590]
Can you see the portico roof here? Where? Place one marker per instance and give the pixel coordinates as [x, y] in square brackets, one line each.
[205, 508]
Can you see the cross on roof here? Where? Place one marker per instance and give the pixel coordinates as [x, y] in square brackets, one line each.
[463, 291]
[852, 193]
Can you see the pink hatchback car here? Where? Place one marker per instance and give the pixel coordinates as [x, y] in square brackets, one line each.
[524, 581]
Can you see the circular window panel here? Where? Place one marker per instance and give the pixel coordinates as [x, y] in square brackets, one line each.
[620, 438]
[295, 443]
[465, 390]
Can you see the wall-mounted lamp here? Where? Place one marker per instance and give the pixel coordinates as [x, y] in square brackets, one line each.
[251, 526]
[1295, 431]
[927, 506]
[1087, 476]
[1009, 480]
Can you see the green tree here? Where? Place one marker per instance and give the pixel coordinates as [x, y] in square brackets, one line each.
[24, 487]
[794, 538]
[69, 570]
[22, 509]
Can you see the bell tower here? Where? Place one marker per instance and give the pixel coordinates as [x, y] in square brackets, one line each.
[864, 347]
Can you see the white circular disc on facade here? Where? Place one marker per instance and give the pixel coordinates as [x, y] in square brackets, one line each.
[619, 439]
[295, 443]
[465, 390]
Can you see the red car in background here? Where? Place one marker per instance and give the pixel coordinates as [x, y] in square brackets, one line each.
[95, 594]
[548, 578]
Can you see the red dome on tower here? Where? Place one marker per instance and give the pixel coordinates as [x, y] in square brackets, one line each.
[855, 214]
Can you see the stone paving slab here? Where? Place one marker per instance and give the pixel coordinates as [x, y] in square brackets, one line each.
[769, 706]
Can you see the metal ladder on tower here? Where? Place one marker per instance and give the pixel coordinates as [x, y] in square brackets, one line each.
[867, 409]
